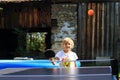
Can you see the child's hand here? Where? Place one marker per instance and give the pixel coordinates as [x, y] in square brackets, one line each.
[66, 62]
[65, 59]
[54, 60]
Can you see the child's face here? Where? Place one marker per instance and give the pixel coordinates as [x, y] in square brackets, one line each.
[67, 46]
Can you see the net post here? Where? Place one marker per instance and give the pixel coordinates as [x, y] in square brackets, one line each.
[114, 65]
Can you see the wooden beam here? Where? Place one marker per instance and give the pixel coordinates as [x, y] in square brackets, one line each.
[59, 1]
[76, 1]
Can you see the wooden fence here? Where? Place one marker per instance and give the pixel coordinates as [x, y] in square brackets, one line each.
[25, 15]
[98, 34]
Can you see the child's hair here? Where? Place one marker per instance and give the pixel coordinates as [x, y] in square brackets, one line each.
[66, 40]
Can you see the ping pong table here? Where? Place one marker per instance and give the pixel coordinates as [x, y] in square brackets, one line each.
[44, 70]
[81, 73]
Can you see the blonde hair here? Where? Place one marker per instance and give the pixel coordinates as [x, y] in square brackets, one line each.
[68, 40]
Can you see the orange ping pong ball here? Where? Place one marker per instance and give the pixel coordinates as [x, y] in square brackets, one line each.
[91, 12]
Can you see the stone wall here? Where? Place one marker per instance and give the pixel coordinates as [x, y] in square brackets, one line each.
[66, 16]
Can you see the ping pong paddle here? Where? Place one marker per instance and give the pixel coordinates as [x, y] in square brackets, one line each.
[50, 54]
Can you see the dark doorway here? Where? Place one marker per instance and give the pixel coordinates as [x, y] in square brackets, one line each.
[8, 43]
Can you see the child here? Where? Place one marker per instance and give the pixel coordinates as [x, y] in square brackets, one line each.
[67, 56]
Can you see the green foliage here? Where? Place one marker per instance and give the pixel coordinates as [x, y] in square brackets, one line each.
[36, 41]
[29, 42]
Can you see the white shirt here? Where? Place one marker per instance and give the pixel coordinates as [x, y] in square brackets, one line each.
[61, 54]
[71, 55]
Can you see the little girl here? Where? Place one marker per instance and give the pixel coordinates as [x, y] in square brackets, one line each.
[67, 56]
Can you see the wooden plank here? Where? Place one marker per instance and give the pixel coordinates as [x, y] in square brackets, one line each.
[98, 24]
[100, 30]
[84, 49]
[116, 55]
[112, 27]
[89, 22]
[82, 30]
[107, 28]
[79, 45]
[103, 28]
[93, 31]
